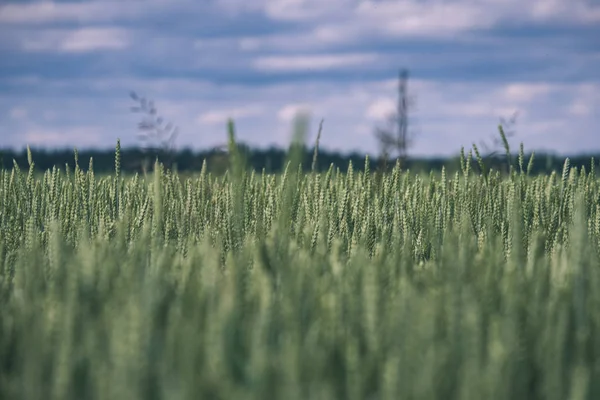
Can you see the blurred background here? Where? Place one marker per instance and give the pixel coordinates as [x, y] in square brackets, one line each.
[162, 74]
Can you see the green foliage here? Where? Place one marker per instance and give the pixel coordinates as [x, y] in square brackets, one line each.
[303, 285]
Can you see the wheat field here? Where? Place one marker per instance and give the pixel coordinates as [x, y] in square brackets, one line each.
[336, 285]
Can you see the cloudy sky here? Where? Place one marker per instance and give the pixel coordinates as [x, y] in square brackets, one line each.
[67, 67]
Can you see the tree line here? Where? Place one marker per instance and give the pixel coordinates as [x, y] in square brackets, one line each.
[270, 160]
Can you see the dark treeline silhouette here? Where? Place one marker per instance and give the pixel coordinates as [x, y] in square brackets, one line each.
[272, 160]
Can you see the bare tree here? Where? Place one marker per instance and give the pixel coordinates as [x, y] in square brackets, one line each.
[155, 137]
[394, 138]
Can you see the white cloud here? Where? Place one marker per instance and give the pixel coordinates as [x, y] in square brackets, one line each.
[380, 109]
[312, 62]
[579, 109]
[498, 109]
[221, 116]
[438, 16]
[327, 24]
[565, 11]
[302, 10]
[584, 100]
[392, 16]
[42, 11]
[525, 92]
[47, 11]
[423, 18]
[79, 136]
[76, 41]
[290, 111]
[95, 39]
[342, 21]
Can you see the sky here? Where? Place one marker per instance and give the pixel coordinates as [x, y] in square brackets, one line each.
[67, 68]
